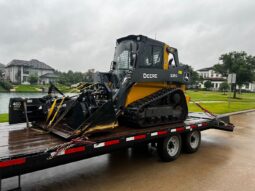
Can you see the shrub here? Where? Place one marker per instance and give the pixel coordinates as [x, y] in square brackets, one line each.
[208, 84]
[224, 87]
[33, 79]
[6, 84]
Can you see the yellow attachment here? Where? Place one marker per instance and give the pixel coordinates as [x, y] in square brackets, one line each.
[59, 106]
[102, 127]
[51, 109]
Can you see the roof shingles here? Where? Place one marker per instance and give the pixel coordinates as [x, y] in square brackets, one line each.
[32, 63]
[205, 69]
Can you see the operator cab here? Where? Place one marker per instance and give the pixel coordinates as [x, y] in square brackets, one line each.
[137, 56]
[137, 51]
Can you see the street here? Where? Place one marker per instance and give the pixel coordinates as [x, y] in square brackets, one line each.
[225, 161]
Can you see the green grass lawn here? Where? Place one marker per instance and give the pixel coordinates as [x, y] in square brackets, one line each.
[244, 101]
[35, 88]
[26, 88]
[4, 117]
[65, 89]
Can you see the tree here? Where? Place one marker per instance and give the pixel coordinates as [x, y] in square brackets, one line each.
[33, 79]
[241, 64]
[208, 84]
[70, 77]
[224, 87]
[89, 75]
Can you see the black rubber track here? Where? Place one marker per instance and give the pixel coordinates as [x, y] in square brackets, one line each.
[135, 112]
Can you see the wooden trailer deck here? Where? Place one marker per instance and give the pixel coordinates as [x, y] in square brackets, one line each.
[17, 140]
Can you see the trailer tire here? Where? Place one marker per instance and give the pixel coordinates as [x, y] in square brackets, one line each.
[191, 141]
[169, 148]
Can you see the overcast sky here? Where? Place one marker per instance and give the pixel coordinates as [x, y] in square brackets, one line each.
[80, 34]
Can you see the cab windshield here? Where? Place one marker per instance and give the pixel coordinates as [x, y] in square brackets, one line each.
[123, 53]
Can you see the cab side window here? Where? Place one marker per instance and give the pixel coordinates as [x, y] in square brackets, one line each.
[157, 57]
[147, 59]
[153, 57]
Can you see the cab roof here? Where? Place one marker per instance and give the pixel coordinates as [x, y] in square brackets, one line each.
[140, 38]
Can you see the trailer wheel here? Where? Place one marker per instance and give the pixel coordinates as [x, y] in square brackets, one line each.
[191, 141]
[169, 148]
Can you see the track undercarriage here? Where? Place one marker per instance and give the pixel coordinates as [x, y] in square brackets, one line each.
[163, 107]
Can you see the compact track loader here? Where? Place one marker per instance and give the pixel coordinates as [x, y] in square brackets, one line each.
[143, 88]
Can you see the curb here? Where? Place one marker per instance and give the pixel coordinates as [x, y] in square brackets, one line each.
[4, 124]
[237, 113]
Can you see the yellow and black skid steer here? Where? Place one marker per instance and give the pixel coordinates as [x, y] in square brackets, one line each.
[145, 87]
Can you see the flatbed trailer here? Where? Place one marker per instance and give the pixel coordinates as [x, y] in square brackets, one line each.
[25, 150]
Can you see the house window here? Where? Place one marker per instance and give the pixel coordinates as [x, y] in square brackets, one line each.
[26, 70]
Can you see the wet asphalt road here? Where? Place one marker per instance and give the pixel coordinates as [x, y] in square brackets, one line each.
[225, 161]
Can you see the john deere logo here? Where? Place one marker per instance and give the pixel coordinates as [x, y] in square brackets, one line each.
[150, 75]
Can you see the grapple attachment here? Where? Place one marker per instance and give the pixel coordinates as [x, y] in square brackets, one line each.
[81, 115]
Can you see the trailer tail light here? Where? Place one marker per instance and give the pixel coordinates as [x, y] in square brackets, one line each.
[18, 161]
